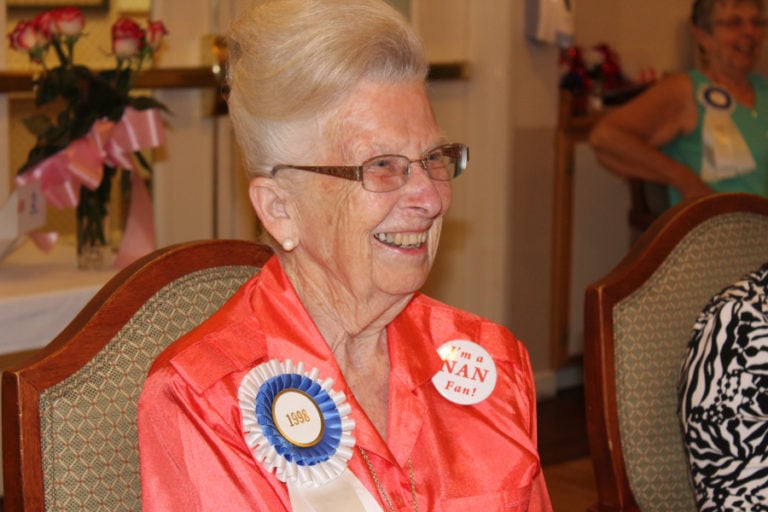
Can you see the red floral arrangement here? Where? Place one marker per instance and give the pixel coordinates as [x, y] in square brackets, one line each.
[101, 127]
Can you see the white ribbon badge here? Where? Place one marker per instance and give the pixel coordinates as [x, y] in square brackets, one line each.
[298, 426]
[725, 153]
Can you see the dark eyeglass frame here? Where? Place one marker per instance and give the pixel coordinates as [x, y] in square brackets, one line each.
[736, 23]
[456, 151]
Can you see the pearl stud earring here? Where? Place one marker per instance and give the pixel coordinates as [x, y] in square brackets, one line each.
[288, 245]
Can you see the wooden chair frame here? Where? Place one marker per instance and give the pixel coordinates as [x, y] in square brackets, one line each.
[645, 256]
[81, 340]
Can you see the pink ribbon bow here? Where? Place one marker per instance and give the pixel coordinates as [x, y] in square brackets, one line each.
[137, 129]
[82, 164]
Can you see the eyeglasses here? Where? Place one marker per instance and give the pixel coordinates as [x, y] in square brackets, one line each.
[737, 23]
[386, 173]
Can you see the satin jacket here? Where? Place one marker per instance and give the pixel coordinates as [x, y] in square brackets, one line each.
[464, 457]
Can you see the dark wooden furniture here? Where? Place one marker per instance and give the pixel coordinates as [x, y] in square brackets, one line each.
[69, 426]
[638, 321]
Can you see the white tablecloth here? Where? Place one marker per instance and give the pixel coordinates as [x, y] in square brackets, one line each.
[40, 293]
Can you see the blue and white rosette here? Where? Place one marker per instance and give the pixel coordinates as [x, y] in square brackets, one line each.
[725, 152]
[296, 424]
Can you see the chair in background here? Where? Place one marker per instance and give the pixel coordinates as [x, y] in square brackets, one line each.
[647, 201]
[637, 323]
[69, 413]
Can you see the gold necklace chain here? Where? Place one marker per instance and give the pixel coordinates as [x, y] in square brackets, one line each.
[380, 487]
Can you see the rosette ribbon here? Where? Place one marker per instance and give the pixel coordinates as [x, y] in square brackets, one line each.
[82, 162]
[299, 427]
[725, 152]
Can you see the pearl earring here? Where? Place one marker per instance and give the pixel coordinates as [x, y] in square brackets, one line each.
[288, 245]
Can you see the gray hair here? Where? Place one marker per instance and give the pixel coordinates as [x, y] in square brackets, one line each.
[701, 12]
[292, 61]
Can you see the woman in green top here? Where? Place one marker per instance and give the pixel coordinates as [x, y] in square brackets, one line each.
[702, 131]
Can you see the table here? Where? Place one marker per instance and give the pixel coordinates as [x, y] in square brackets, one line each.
[40, 293]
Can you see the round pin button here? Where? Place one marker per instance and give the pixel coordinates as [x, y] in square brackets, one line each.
[717, 97]
[468, 374]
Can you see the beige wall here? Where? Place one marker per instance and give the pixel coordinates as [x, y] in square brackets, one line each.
[652, 33]
[532, 117]
[648, 33]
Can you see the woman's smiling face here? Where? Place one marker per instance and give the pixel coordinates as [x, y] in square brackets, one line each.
[364, 242]
[736, 36]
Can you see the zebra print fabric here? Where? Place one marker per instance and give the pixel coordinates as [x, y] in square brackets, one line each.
[723, 399]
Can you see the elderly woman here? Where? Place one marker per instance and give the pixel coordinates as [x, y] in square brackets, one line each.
[328, 382]
[704, 130]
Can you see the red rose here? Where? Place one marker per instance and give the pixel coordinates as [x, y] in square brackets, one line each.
[155, 32]
[26, 38]
[67, 21]
[43, 22]
[127, 38]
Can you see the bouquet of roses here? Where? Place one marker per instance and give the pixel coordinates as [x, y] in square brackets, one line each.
[101, 125]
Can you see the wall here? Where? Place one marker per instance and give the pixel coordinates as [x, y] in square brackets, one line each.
[469, 272]
[185, 176]
[532, 116]
[651, 34]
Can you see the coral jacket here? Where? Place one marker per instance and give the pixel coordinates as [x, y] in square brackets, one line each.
[483, 456]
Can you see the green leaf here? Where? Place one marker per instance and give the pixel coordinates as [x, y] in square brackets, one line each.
[38, 124]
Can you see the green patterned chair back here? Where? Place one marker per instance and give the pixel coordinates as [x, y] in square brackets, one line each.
[86, 420]
[638, 321]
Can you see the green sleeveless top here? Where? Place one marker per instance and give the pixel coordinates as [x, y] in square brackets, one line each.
[753, 125]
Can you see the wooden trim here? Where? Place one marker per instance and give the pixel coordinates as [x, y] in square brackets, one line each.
[448, 71]
[15, 81]
[51, 4]
[168, 78]
[160, 78]
[202, 77]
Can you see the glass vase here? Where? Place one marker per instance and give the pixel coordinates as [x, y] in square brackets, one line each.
[92, 228]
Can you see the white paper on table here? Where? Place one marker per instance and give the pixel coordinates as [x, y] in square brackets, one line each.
[21, 213]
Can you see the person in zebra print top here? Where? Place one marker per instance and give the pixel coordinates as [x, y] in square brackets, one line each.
[723, 398]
